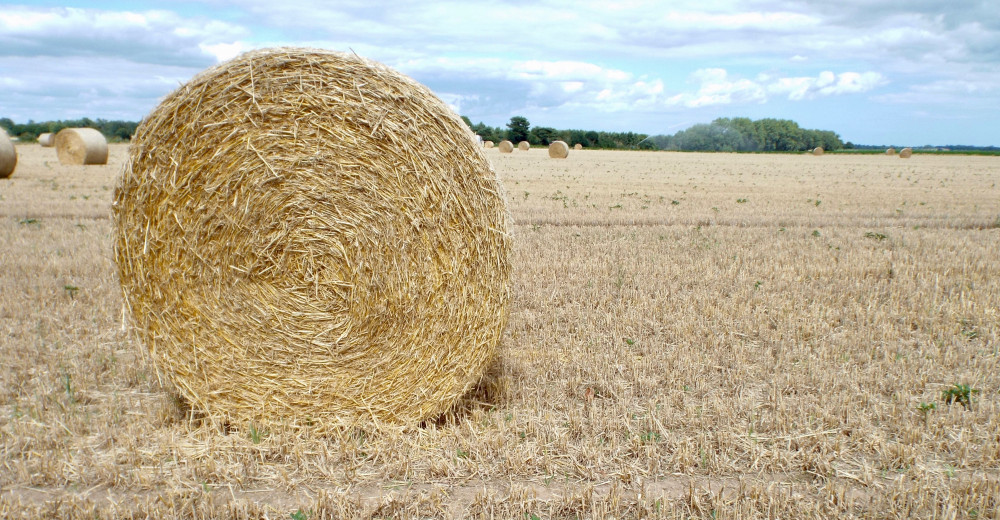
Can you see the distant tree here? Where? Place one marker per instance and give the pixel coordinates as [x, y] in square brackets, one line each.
[542, 135]
[518, 129]
[468, 121]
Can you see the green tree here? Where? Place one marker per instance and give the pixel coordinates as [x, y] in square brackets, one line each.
[518, 129]
[543, 135]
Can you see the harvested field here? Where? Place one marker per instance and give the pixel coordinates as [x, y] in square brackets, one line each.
[691, 335]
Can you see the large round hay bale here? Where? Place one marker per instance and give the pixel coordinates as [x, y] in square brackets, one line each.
[523, 145]
[488, 144]
[8, 155]
[308, 237]
[578, 146]
[818, 150]
[558, 150]
[506, 146]
[905, 153]
[81, 146]
[47, 140]
[890, 151]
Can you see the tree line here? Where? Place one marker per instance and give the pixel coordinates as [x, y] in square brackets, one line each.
[114, 131]
[519, 129]
[742, 134]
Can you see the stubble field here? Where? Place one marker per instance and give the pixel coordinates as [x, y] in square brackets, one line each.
[691, 335]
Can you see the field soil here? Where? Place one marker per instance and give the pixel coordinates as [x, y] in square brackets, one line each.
[691, 335]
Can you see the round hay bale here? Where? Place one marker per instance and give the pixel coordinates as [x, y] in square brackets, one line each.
[8, 155]
[578, 146]
[818, 150]
[506, 146]
[81, 146]
[488, 144]
[47, 140]
[905, 153]
[524, 146]
[890, 151]
[558, 150]
[308, 237]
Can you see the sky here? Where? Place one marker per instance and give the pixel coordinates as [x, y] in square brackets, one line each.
[899, 72]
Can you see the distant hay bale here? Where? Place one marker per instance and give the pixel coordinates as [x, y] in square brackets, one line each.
[310, 238]
[506, 146]
[8, 155]
[890, 151]
[47, 140]
[81, 146]
[578, 146]
[488, 144]
[905, 153]
[558, 150]
[818, 150]
[523, 145]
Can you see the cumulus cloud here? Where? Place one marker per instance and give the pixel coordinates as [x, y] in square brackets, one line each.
[155, 36]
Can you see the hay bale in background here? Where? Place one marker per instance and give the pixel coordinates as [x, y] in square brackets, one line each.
[818, 150]
[558, 150]
[81, 146]
[523, 145]
[506, 147]
[46, 140]
[488, 144]
[337, 251]
[905, 153]
[578, 146]
[8, 155]
[890, 151]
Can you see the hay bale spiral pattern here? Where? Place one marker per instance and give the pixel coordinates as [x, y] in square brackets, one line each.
[81, 146]
[905, 153]
[524, 146]
[506, 147]
[558, 150]
[309, 237]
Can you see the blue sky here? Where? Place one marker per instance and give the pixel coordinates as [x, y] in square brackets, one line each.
[902, 72]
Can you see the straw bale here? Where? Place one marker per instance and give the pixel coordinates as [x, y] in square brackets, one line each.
[506, 146]
[905, 153]
[488, 144]
[523, 145]
[8, 155]
[47, 140]
[578, 146]
[308, 237]
[81, 146]
[890, 151]
[558, 150]
[818, 150]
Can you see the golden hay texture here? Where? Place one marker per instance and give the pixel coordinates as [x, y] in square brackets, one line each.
[578, 146]
[905, 153]
[488, 144]
[558, 150]
[8, 155]
[818, 150]
[506, 147]
[81, 146]
[890, 151]
[523, 145]
[308, 237]
[47, 140]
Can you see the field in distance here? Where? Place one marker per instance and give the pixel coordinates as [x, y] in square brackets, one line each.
[691, 335]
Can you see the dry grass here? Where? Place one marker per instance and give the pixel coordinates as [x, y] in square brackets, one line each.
[506, 147]
[47, 139]
[76, 146]
[523, 146]
[276, 212]
[558, 150]
[905, 153]
[761, 348]
[8, 155]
